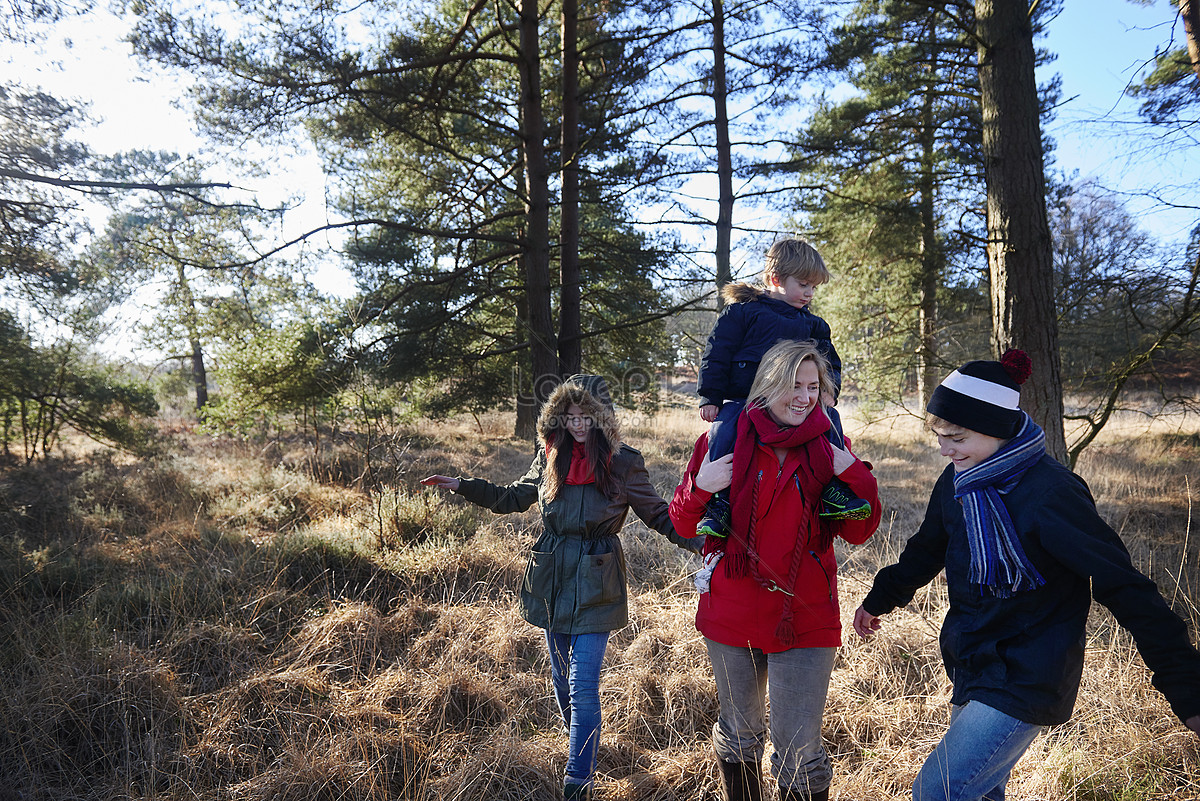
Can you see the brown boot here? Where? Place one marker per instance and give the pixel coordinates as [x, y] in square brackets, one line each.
[740, 781]
[788, 794]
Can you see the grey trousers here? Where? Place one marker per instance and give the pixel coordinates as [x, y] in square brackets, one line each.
[798, 683]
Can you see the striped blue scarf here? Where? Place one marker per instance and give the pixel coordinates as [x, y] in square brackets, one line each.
[998, 563]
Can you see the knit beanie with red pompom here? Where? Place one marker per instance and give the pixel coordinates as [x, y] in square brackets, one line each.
[983, 395]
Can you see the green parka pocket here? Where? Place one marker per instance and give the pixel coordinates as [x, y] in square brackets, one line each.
[539, 575]
[600, 580]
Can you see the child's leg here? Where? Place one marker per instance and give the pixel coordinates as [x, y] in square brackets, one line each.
[721, 436]
[723, 431]
[975, 756]
[838, 501]
[834, 434]
[586, 653]
[559, 646]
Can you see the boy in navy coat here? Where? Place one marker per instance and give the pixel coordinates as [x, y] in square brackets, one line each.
[1024, 552]
[754, 319]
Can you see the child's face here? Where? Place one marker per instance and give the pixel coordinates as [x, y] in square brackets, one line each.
[965, 448]
[791, 290]
[578, 424]
[793, 408]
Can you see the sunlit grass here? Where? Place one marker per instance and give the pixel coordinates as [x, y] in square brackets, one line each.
[230, 621]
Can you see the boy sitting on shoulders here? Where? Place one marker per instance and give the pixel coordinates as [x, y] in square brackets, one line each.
[752, 321]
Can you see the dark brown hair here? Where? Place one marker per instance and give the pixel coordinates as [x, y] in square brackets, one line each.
[597, 451]
[602, 441]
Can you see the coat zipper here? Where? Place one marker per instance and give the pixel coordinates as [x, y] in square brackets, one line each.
[820, 564]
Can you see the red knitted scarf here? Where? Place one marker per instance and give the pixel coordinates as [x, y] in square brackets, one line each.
[809, 464]
[580, 472]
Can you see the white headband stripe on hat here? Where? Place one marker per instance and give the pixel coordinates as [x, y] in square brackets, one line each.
[981, 389]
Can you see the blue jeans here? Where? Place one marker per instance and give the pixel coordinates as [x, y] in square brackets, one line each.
[798, 682]
[575, 671]
[975, 757]
[723, 431]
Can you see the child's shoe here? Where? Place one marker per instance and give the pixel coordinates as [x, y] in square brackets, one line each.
[838, 502]
[717, 515]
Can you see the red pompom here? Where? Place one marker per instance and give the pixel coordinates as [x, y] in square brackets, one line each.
[1017, 364]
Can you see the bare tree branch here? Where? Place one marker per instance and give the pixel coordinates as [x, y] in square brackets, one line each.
[84, 185]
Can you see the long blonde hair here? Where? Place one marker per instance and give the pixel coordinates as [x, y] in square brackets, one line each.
[776, 376]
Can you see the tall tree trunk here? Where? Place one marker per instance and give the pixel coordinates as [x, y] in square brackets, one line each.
[543, 349]
[1019, 246]
[570, 353]
[527, 405]
[199, 377]
[199, 374]
[928, 373]
[1189, 11]
[724, 151]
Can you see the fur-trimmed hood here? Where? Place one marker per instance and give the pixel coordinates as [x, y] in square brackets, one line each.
[590, 393]
[740, 292]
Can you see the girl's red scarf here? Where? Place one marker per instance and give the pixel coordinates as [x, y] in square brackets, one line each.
[580, 472]
[809, 464]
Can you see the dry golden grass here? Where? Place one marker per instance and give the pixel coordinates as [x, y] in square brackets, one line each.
[229, 621]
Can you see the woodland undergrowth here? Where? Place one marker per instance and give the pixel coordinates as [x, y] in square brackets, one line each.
[256, 620]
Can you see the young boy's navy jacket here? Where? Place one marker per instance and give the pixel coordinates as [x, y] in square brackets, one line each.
[1024, 655]
[747, 327]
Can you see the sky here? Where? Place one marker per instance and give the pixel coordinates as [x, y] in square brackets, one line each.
[1102, 45]
[136, 106]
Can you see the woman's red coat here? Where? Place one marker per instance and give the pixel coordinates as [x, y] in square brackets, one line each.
[740, 611]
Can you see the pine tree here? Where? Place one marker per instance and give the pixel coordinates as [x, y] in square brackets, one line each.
[893, 176]
[443, 133]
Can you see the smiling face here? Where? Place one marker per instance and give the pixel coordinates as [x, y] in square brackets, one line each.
[965, 448]
[793, 408]
[578, 424]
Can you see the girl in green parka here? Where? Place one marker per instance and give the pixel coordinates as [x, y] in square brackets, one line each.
[584, 480]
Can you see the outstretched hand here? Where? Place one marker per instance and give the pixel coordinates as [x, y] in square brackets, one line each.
[442, 482]
[866, 624]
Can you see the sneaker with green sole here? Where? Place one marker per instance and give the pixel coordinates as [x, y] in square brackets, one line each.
[838, 502]
[717, 514]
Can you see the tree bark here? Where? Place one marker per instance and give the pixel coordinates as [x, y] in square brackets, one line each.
[199, 377]
[1189, 11]
[527, 405]
[724, 151]
[543, 350]
[928, 374]
[199, 373]
[1019, 247]
[570, 353]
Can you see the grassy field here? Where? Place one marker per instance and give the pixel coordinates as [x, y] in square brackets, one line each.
[233, 620]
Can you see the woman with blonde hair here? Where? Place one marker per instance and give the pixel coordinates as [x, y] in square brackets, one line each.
[585, 480]
[768, 607]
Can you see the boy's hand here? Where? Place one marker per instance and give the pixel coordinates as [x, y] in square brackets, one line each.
[715, 476]
[1193, 723]
[708, 412]
[867, 624]
[442, 482]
